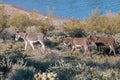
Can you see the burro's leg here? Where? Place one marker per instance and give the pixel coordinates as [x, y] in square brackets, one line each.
[86, 49]
[98, 49]
[31, 44]
[112, 49]
[73, 48]
[43, 46]
[25, 45]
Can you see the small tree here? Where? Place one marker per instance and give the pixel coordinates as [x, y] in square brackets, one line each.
[44, 26]
[94, 21]
[73, 24]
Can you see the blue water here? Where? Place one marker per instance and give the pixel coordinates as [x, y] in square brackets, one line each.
[68, 8]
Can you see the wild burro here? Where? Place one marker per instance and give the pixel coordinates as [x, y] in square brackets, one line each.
[107, 41]
[77, 42]
[31, 38]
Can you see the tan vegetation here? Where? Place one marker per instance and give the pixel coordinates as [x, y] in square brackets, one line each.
[20, 18]
[97, 22]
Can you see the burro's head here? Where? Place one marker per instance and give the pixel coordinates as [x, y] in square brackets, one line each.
[93, 38]
[17, 36]
[67, 40]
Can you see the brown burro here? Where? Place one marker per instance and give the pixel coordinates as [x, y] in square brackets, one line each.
[76, 42]
[107, 41]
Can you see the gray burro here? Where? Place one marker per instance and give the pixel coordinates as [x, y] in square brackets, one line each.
[31, 38]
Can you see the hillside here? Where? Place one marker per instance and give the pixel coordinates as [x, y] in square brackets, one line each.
[11, 10]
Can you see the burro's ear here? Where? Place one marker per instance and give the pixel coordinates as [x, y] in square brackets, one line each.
[24, 31]
[89, 36]
[67, 35]
[17, 32]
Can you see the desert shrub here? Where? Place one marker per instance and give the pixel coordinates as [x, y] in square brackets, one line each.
[76, 32]
[66, 70]
[8, 58]
[109, 24]
[44, 26]
[39, 66]
[55, 38]
[73, 24]
[93, 21]
[20, 21]
[46, 76]
[86, 68]
[5, 65]
[21, 72]
[75, 28]
[8, 34]
[14, 65]
[108, 75]
[103, 23]
[41, 25]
